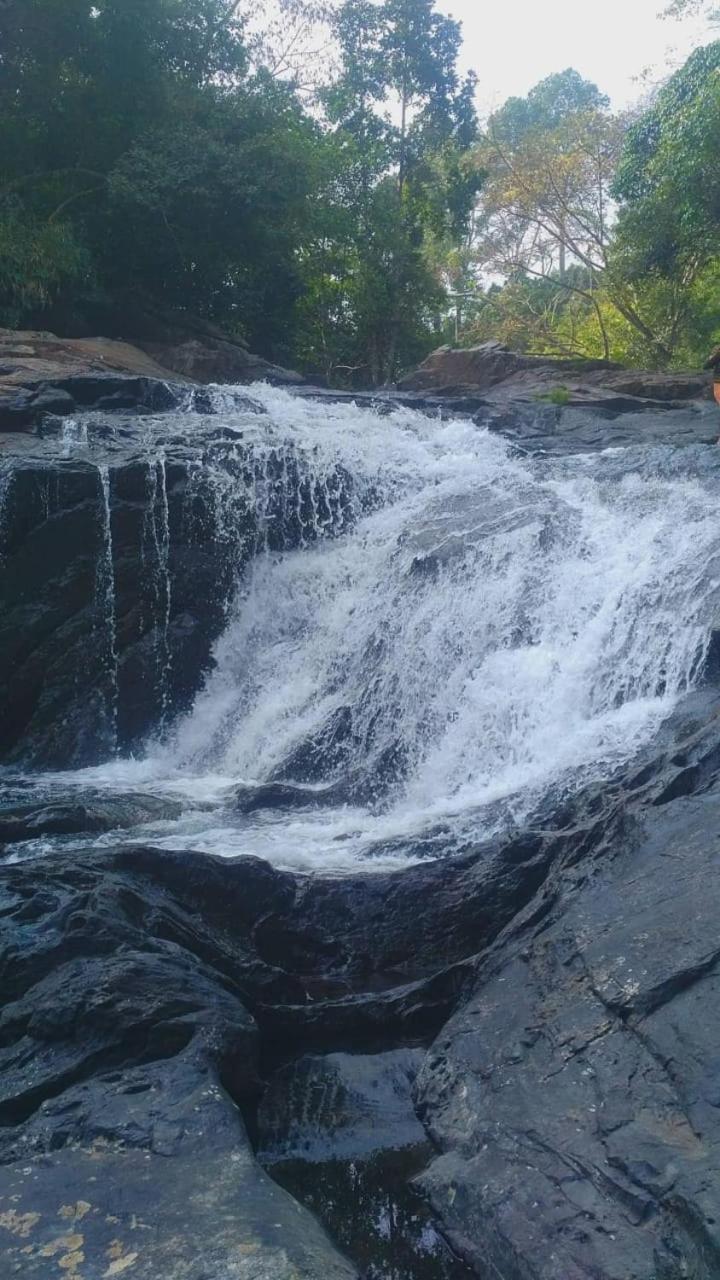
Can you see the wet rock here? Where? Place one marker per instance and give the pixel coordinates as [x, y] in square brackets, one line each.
[148, 1169]
[566, 979]
[121, 547]
[91, 815]
[210, 358]
[52, 399]
[341, 1106]
[547, 428]
[42, 373]
[574, 1095]
[124, 1023]
[340, 1132]
[284, 795]
[111, 597]
[492, 366]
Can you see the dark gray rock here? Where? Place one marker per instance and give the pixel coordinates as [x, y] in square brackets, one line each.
[133, 985]
[50, 399]
[552, 429]
[120, 549]
[90, 814]
[284, 795]
[123, 1026]
[574, 1096]
[149, 1172]
[341, 1106]
[108, 612]
[340, 1132]
[25, 407]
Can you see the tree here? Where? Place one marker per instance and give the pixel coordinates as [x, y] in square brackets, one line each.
[549, 161]
[402, 120]
[690, 8]
[669, 187]
[550, 204]
[140, 140]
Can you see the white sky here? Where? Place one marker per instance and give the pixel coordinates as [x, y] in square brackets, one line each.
[512, 44]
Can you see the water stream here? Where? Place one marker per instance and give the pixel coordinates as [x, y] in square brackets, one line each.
[453, 631]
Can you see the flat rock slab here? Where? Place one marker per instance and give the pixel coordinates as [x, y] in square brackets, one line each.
[493, 367]
[550, 429]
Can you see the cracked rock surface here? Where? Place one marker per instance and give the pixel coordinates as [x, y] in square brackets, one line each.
[576, 1096]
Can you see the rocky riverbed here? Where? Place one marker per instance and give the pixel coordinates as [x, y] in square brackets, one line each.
[497, 1056]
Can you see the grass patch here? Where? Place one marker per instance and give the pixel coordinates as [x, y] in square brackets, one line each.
[556, 395]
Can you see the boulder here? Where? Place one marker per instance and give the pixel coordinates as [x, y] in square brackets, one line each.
[454, 370]
[210, 359]
[90, 815]
[503, 375]
[41, 373]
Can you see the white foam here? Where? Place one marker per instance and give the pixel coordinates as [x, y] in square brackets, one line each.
[508, 625]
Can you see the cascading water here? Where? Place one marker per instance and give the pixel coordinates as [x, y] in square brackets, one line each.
[155, 557]
[105, 604]
[434, 633]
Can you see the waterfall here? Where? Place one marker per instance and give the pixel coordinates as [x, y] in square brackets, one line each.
[491, 625]
[427, 631]
[155, 558]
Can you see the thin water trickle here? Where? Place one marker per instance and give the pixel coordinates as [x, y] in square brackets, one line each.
[432, 632]
[157, 584]
[105, 605]
[74, 434]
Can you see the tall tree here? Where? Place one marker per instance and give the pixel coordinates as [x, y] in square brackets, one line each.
[669, 186]
[142, 151]
[404, 118]
[550, 159]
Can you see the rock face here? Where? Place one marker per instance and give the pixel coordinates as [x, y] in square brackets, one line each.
[92, 651]
[121, 1148]
[502, 1064]
[211, 359]
[494, 368]
[144, 988]
[574, 1096]
[41, 373]
[121, 546]
[566, 982]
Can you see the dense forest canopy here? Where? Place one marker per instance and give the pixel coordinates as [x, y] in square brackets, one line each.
[313, 177]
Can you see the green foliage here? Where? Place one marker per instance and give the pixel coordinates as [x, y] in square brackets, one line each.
[606, 236]
[556, 395]
[148, 151]
[547, 106]
[164, 150]
[176, 172]
[403, 121]
[668, 177]
[38, 261]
